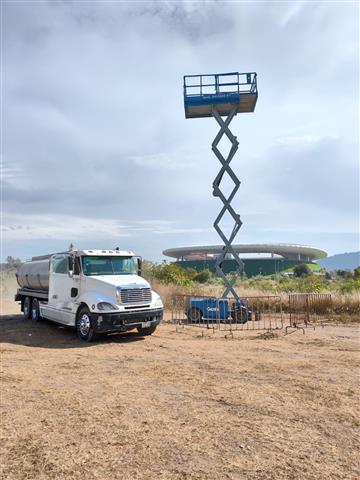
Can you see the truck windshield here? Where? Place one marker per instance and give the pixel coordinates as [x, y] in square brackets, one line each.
[102, 265]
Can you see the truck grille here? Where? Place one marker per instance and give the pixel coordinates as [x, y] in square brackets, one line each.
[135, 295]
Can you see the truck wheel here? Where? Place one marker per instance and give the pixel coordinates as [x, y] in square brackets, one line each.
[27, 307]
[146, 331]
[194, 315]
[35, 310]
[85, 326]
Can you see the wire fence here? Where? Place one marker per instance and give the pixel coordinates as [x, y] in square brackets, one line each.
[228, 314]
[309, 309]
[266, 312]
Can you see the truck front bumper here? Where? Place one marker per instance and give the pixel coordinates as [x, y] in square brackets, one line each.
[124, 321]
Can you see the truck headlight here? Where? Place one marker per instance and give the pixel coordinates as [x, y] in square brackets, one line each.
[158, 303]
[106, 306]
[118, 295]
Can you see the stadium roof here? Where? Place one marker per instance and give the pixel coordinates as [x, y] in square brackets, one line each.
[285, 250]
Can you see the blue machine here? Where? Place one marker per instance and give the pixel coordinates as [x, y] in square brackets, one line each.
[221, 95]
[200, 309]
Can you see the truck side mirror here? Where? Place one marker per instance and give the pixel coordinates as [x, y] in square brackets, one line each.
[71, 264]
[139, 266]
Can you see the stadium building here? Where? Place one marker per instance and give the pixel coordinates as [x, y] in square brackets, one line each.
[259, 259]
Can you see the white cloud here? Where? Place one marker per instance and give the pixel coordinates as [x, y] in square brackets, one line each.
[9, 172]
[291, 11]
[307, 139]
[60, 227]
[167, 161]
[96, 143]
[64, 227]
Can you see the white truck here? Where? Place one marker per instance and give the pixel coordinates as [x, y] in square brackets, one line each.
[95, 291]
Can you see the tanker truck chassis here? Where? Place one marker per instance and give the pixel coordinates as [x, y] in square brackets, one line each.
[94, 291]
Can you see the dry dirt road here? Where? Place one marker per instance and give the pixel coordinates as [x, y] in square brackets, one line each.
[178, 406]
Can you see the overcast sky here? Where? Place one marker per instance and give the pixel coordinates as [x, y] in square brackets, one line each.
[96, 149]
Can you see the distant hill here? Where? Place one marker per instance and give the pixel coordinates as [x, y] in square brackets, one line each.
[342, 261]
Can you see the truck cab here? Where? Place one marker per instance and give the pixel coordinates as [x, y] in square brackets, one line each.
[96, 291]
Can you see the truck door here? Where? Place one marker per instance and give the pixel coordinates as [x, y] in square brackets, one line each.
[63, 290]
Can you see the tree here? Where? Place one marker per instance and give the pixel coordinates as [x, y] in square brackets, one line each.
[12, 263]
[302, 270]
[344, 273]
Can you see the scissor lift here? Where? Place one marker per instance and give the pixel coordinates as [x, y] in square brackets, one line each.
[222, 95]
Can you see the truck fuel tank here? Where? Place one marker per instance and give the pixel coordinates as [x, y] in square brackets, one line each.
[34, 274]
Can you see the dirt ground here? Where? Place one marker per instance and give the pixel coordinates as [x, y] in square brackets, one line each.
[177, 405]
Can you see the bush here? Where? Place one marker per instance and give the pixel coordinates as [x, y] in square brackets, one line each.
[203, 277]
[312, 284]
[301, 270]
[350, 286]
[171, 274]
[357, 273]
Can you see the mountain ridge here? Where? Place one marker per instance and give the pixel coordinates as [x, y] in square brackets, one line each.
[341, 261]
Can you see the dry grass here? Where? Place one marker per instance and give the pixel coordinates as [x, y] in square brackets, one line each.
[167, 291]
[8, 287]
[178, 406]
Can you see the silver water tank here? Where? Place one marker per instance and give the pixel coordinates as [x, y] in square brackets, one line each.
[34, 274]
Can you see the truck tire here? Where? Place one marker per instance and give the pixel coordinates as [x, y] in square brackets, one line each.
[194, 315]
[146, 331]
[35, 310]
[85, 325]
[27, 307]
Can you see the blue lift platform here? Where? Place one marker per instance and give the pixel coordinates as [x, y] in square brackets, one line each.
[223, 95]
[222, 90]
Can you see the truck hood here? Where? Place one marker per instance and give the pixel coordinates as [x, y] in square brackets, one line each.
[128, 281]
